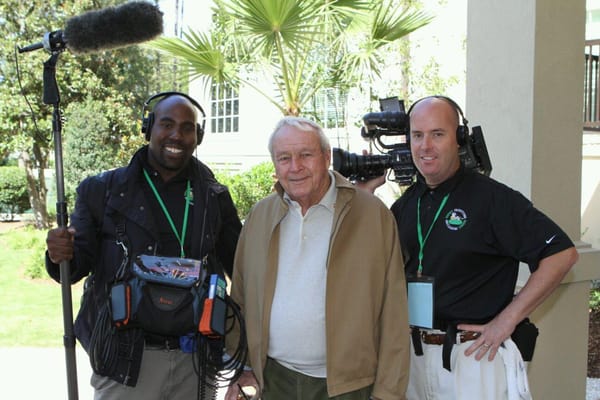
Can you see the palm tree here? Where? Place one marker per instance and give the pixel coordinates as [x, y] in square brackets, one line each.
[301, 46]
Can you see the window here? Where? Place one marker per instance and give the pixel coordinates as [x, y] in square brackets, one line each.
[592, 24]
[328, 107]
[225, 109]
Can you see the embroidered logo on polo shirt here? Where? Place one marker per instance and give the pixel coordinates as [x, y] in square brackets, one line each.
[456, 219]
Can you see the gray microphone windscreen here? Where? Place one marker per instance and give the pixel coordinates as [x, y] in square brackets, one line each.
[130, 23]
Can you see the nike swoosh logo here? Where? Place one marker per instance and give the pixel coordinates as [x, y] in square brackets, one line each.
[549, 240]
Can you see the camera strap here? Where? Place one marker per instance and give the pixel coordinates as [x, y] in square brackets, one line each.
[124, 243]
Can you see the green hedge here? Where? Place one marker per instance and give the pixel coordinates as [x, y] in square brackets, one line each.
[14, 198]
[248, 187]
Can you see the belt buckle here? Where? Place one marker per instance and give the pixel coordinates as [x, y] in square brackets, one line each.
[431, 337]
[425, 336]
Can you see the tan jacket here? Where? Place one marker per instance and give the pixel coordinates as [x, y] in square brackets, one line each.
[366, 310]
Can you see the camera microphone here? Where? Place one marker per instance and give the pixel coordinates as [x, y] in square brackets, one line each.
[388, 121]
[112, 27]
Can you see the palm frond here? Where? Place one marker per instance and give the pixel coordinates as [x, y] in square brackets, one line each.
[265, 22]
[204, 57]
[392, 23]
[299, 45]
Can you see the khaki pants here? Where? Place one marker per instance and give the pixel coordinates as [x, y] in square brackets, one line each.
[164, 375]
[284, 384]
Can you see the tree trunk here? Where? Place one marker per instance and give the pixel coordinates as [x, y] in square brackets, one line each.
[36, 186]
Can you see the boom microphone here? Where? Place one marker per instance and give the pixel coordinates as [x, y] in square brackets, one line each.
[108, 28]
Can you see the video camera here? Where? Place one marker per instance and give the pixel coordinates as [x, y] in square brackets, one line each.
[393, 121]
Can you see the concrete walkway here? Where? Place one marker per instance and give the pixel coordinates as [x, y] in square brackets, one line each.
[40, 373]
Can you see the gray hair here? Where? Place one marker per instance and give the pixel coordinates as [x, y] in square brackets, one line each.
[303, 124]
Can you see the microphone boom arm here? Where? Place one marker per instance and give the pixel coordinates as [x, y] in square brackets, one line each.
[53, 42]
[51, 96]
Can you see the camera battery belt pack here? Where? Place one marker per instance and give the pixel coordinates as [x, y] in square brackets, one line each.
[170, 296]
[213, 315]
[525, 336]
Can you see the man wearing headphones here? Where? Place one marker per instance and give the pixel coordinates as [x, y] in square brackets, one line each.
[167, 203]
[463, 235]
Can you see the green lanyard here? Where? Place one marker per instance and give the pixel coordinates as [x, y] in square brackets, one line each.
[420, 232]
[180, 238]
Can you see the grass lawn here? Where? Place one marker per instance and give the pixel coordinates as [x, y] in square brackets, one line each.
[30, 310]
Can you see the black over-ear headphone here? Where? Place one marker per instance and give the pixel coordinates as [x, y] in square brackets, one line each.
[462, 132]
[148, 116]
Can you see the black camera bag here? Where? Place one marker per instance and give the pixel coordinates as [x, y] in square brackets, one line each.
[160, 304]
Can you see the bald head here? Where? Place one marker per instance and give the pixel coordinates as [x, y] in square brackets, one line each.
[435, 104]
[433, 142]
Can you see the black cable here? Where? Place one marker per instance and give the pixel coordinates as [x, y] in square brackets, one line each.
[212, 369]
[107, 341]
[238, 359]
[205, 369]
[39, 135]
[103, 346]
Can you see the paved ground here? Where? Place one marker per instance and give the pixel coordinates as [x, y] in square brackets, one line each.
[8, 225]
[40, 373]
[593, 389]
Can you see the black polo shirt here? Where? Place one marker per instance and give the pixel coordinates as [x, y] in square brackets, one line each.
[474, 248]
[172, 194]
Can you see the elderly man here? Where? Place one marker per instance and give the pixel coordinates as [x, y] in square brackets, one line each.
[319, 278]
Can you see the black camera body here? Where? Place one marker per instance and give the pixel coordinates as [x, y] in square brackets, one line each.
[393, 121]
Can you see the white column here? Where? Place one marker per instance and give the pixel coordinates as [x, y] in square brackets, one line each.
[525, 88]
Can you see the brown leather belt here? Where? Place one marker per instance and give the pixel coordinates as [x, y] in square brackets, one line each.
[438, 338]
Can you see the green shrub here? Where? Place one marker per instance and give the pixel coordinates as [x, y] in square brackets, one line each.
[89, 145]
[34, 241]
[14, 198]
[35, 264]
[595, 298]
[248, 187]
